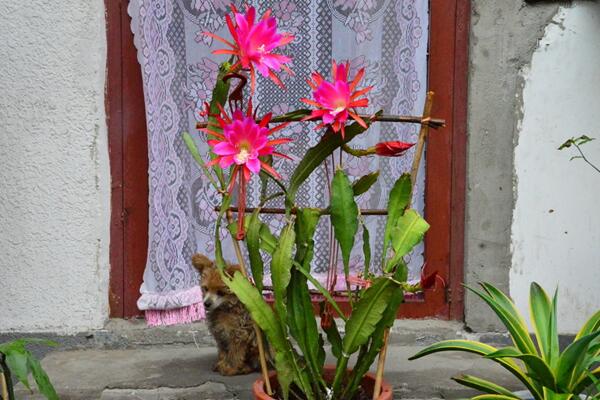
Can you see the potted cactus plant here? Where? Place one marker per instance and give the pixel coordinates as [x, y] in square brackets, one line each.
[243, 145]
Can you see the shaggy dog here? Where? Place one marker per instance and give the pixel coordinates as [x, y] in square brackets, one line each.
[228, 321]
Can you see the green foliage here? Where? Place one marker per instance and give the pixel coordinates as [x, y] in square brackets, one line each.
[253, 245]
[21, 363]
[290, 325]
[364, 183]
[344, 216]
[545, 371]
[575, 141]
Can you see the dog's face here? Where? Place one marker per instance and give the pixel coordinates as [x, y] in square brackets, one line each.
[214, 290]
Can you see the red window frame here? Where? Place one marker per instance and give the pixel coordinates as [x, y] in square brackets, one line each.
[446, 162]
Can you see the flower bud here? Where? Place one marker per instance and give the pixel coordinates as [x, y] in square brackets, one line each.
[392, 149]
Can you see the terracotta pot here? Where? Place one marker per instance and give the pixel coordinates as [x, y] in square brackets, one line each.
[368, 382]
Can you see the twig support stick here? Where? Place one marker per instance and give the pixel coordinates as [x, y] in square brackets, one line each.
[259, 338]
[324, 211]
[435, 123]
[413, 177]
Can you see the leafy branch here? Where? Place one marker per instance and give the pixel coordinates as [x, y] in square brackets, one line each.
[577, 143]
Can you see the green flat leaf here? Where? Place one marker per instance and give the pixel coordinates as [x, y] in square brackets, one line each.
[41, 379]
[281, 265]
[344, 216]
[509, 315]
[367, 314]
[492, 397]
[364, 183]
[307, 220]
[191, 146]
[365, 360]
[484, 386]
[219, 260]
[366, 250]
[398, 201]
[590, 326]
[586, 381]
[321, 289]
[334, 339]
[543, 318]
[318, 153]
[408, 232]
[482, 350]
[17, 364]
[268, 242]
[253, 245]
[570, 366]
[295, 115]
[264, 317]
[303, 326]
[537, 367]
[219, 96]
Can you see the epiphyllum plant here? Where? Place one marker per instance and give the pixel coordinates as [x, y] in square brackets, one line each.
[241, 146]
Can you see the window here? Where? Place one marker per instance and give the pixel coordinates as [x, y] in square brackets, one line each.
[445, 157]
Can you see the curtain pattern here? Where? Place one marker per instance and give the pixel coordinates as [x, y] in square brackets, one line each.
[388, 38]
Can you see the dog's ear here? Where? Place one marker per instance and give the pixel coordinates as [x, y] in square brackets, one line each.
[231, 269]
[200, 262]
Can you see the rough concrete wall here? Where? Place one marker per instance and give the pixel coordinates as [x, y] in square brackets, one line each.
[556, 226]
[54, 170]
[504, 35]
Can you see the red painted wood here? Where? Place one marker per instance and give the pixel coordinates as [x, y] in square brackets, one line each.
[459, 160]
[135, 172]
[129, 163]
[114, 107]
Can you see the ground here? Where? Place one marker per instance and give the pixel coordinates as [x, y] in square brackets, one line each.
[127, 361]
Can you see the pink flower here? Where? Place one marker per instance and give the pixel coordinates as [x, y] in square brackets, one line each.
[336, 100]
[254, 43]
[241, 144]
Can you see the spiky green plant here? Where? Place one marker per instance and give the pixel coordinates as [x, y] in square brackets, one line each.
[17, 361]
[546, 372]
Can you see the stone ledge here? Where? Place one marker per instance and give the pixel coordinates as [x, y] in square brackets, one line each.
[175, 372]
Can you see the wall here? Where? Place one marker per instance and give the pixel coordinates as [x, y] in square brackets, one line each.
[504, 35]
[556, 222]
[54, 174]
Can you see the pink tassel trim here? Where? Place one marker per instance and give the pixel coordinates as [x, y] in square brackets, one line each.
[183, 315]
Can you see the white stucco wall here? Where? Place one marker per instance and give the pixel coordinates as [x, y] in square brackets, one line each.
[556, 222]
[54, 169]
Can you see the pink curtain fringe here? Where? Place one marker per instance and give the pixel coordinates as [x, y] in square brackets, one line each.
[183, 315]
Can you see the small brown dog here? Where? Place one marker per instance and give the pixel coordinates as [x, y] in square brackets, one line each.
[228, 321]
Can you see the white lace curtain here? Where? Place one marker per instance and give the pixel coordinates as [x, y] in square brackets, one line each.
[389, 38]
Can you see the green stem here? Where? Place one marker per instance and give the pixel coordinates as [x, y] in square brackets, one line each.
[340, 372]
[358, 152]
[585, 158]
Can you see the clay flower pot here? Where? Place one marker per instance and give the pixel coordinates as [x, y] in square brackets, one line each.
[367, 383]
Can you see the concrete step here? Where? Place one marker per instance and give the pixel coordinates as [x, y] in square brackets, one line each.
[185, 372]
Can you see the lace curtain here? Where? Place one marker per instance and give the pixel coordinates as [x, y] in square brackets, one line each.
[388, 38]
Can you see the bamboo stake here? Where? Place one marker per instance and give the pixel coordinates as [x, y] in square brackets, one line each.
[324, 211]
[413, 175]
[259, 338]
[435, 123]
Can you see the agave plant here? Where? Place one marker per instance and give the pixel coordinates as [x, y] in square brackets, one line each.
[545, 371]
